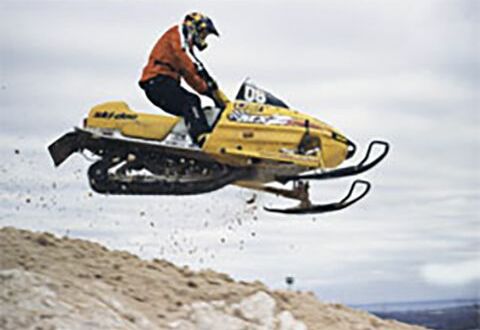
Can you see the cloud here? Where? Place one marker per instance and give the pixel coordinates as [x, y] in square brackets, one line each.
[453, 274]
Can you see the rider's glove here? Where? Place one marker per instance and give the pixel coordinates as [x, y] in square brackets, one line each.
[211, 83]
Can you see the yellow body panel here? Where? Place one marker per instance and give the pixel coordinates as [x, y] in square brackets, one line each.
[245, 134]
[250, 130]
[118, 116]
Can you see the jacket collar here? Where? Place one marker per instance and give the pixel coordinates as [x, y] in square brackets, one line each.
[183, 40]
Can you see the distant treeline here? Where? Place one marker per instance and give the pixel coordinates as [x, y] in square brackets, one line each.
[454, 318]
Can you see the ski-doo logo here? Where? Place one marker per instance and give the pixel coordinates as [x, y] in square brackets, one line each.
[114, 115]
[244, 117]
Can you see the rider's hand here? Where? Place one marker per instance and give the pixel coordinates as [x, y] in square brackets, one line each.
[211, 85]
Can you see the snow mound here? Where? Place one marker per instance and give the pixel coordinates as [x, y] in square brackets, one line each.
[61, 283]
[256, 312]
[29, 299]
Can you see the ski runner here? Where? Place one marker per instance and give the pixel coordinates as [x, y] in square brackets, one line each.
[173, 58]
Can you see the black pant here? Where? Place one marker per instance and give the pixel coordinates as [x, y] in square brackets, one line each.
[167, 94]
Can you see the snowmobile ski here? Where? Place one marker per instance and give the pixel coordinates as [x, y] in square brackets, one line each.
[361, 167]
[306, 207]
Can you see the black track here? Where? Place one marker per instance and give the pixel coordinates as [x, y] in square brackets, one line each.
[134, 168]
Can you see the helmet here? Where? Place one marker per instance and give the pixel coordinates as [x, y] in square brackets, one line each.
[196, 28]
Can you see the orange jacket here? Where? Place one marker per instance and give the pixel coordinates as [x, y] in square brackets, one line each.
[169, 58]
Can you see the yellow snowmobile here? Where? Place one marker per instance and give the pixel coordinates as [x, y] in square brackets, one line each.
[254, 141]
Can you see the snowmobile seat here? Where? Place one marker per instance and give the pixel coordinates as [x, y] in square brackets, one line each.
[117, 116]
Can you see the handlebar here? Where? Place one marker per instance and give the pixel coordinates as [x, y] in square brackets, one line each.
[220, 98]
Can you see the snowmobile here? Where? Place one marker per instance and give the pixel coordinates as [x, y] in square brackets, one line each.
[256, 142]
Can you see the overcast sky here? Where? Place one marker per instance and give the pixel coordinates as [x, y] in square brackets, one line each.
[405, 71]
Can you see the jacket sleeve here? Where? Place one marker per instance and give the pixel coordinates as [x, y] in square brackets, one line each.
[188, 69]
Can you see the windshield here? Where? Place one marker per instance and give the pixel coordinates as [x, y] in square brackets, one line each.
[251, 93]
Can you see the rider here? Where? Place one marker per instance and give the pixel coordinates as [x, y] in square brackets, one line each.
[173, 57]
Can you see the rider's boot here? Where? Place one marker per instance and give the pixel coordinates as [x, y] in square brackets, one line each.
[197, 124]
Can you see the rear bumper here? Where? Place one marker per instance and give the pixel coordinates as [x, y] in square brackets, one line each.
[66, 145]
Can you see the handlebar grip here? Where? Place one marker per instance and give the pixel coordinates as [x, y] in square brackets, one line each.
[220, 97]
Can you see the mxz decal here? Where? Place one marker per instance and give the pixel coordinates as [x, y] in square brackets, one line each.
[244, 117]
[114, 115]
